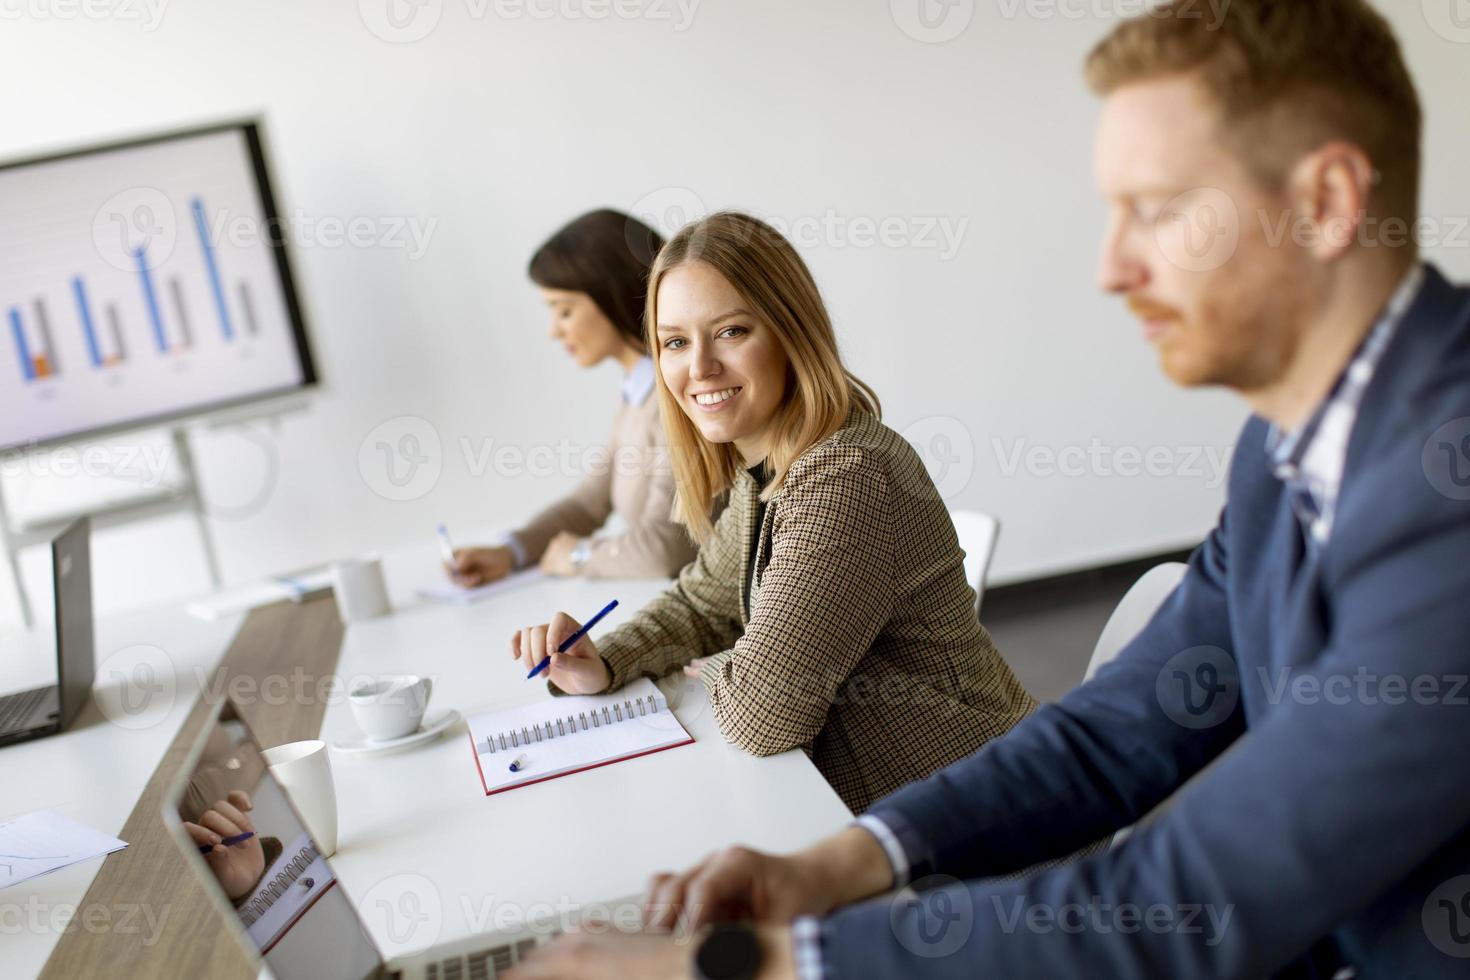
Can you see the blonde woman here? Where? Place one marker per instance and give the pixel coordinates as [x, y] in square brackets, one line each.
[827, 608]
[593, 275]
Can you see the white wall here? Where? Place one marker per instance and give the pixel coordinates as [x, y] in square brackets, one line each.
[496, 127]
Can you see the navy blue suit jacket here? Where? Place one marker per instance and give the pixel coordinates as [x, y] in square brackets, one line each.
[1326, 692]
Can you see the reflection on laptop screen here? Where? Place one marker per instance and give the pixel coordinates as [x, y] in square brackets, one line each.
[284, 892]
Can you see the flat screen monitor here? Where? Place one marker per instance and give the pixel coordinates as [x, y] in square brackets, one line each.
[144, 282]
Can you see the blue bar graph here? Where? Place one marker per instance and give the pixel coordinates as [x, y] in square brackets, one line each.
[152, 299]
[28, 366]
[202, 227]
[85, 312]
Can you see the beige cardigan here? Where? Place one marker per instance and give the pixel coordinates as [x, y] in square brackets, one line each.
[861, 645]
[637, 482]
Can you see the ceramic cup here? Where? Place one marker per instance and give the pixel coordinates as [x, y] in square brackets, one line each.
[390, 707]
[360, 589]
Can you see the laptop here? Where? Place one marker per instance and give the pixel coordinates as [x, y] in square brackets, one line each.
[43, 711]
[282, 902]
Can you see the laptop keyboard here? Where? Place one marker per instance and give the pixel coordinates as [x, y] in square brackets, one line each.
[16, 708]
[486, 964]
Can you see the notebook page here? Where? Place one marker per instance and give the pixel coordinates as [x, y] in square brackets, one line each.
[580, 738]
[462, 596]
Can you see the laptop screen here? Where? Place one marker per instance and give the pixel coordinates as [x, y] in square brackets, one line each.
[71, 570]
[282, 891]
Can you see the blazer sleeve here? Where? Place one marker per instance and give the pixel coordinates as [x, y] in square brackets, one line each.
[580, 512]
[1084, 767]
[827, 591]
[697, 616]
[654, 544]
[1337, 796]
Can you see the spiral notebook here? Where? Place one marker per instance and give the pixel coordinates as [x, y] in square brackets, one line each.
[566, 735]
[285, 892]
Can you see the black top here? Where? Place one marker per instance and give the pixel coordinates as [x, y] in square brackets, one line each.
[762, 479]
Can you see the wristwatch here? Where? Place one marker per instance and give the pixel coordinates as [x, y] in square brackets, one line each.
[580, 553]
[730, 952]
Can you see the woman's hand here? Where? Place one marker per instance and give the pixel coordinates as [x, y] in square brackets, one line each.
[477, 566]
[239, 866]
[580, 670]
[557, 559]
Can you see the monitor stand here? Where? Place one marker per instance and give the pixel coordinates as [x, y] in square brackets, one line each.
[183, 495]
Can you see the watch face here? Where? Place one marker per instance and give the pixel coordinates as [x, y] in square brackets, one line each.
[729, 952]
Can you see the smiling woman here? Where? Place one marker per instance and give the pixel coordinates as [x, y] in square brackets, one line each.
[827, 608]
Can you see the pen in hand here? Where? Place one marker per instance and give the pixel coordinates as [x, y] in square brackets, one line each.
[446, 550]
[227, 842]
[571, 641]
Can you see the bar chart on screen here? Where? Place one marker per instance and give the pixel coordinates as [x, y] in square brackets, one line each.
[141, 282]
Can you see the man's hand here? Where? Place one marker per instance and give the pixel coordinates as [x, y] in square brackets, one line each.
[646, 956]
[739, 883]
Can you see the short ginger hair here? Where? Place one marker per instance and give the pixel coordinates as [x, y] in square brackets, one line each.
[1286, 76]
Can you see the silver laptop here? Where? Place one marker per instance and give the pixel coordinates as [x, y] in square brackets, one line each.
[281, 900]
[48, 710]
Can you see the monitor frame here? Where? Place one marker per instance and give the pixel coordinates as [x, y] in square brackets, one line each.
[76, 670]
[253, 129]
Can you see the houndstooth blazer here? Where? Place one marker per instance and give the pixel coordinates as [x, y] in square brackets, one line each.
[861, 644]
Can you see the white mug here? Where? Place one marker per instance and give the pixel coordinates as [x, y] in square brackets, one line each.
[390, 707]
[360, 589]
[303, 771]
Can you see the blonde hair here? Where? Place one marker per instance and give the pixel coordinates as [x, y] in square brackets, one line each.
[779, 290]
[1287, 76]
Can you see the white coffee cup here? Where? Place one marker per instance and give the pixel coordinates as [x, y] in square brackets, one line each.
[390, 707]
[360, 589]
[304, 772]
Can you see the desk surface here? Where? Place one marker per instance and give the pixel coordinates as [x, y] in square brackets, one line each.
[416, 830]
[95, 771]
[418, 823]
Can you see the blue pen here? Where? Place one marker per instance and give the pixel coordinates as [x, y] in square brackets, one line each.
[571, 641]
[446, 550]
[227, 841]
[519, 764]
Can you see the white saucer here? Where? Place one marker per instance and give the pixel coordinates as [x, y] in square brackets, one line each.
[431, 727]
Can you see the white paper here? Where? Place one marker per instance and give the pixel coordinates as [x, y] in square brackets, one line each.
[250, 597]
[463, 596]
[38, 843]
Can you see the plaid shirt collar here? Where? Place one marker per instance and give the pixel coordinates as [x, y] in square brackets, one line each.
[1310, 460]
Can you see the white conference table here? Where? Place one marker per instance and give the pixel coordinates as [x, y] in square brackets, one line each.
[95, 771]
[415, 829]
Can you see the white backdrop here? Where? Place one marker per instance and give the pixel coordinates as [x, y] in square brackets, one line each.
[936, 173]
